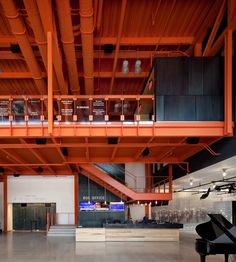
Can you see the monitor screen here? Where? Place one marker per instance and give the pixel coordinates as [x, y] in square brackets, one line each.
[86, 206]
[117, 206]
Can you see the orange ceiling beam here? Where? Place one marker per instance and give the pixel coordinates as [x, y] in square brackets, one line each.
[67, 39]
[122, 17]
[47, 19]
[101, 145]
[220, 40]
[215, 28]
[127, 41]
[18, 75]
[27, 75]
[86, 28]
[118, 75]
[19, 30]
[158, 129]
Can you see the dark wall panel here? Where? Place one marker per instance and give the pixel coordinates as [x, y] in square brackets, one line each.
[195, 78]
[189, 89]
[97, 193]
[213, 81]
[208, 108]
[179, 108]
[172, 78]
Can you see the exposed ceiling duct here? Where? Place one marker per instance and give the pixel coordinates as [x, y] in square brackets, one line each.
[87, 27]
[19, 31]
[67, 39]
[40, 37]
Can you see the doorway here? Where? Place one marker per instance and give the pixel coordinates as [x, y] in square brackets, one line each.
[32, 216]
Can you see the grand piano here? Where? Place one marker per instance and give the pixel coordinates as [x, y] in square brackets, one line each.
[218, 237]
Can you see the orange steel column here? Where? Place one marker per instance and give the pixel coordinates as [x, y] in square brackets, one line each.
[50, 84]
[5, 202]
[198, 49]
[147, 213]
[76, 197]
[148, 180]
[170, 174]
[228, 127]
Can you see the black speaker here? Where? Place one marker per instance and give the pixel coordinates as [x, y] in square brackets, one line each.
[16, 175]
[64, 151]
[192, 140]
[112, 140]
[39, 169]
[1, 169]
[40, 141]
[108, 48]
[146, 152]
[15, 48]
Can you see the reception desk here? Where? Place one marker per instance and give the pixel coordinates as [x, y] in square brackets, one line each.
[159, 232]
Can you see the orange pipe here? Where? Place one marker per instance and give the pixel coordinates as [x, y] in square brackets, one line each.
[50, 84]
[170, 174]
[19, 31]
[228, 125]
[48, 22]
[40, 37]
[67, 39]
[86, 20]
[5, 202]
[122, 17]
[99, 15]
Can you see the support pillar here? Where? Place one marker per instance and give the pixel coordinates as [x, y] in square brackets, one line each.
[170, 174]
[5, 203]
[50, 84]
[76, 198]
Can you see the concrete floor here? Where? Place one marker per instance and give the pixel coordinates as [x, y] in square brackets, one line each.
[25, 247]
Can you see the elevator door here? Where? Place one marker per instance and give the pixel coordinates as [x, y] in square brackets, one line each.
[31, 216]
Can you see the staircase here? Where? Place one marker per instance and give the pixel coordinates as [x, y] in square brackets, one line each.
[61, 231]
[117, 188]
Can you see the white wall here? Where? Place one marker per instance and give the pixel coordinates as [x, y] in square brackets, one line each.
[138, 171]
[59, 190]
[1, 206]
[137, 212]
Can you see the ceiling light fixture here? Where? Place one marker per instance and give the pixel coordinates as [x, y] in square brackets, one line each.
[224, 172]
[137, 67]
[190, 182]
[125, 67]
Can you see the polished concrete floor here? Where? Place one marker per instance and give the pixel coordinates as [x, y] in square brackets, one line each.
[32, 247]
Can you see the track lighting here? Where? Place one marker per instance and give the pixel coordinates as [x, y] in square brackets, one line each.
[205, 195]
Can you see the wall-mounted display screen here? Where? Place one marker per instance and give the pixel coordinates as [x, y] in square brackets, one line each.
[86, 206]
[117, 206]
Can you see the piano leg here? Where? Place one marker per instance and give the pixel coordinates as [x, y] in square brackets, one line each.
[226, 257]
[203, 258]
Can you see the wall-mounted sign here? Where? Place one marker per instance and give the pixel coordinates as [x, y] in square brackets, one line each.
[98, 110]
[4, 108]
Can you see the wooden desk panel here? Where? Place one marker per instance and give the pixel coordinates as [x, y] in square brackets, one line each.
[90, 234]
[127, 234]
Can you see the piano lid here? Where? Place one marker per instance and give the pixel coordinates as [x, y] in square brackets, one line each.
[217, 230]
